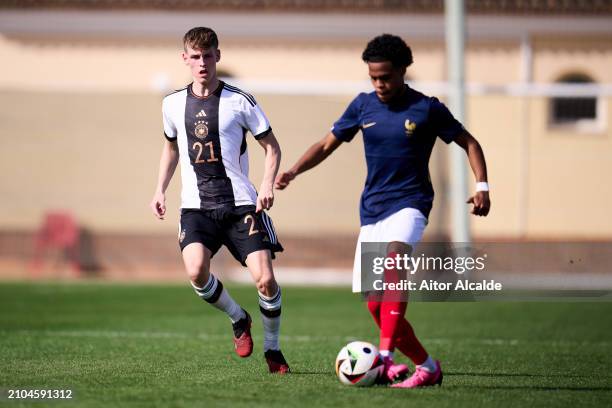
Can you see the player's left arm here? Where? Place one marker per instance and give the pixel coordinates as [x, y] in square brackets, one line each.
[480, 200]
[265, 198]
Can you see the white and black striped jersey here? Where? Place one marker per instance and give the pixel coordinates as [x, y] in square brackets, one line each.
[211, 135]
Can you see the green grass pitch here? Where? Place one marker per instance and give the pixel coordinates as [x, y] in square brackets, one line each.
[161, 346]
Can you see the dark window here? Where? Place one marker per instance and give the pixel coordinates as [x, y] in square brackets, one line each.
[569, 110]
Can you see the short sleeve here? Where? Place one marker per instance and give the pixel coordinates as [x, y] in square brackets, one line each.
[255, 119]
[169, 127]
[443, 122]
[348, 125]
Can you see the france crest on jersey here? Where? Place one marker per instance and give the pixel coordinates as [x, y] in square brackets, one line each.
[398, 139]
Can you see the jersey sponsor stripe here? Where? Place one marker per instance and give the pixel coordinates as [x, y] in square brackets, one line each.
[247, 95]
[176, 91]
[241, 92]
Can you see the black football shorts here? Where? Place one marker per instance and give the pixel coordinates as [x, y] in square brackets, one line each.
[240, 229]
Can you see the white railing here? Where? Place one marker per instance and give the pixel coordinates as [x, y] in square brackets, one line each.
[324, 87]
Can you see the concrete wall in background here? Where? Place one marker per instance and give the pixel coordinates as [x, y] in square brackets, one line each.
[80, 129]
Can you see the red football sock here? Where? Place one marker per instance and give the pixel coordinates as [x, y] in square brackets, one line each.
[404, 338]
[390, 315]
[374, 308]
[407, 342]
[391, 310]
[395, 329]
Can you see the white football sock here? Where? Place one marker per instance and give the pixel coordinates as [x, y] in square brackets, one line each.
[429, 365]
[215, 294]
[270, 308]
[386, 354]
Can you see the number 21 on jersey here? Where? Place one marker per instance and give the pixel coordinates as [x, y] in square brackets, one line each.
[201, 149]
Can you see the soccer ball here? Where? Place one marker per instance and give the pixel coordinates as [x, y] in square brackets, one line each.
[359, 363]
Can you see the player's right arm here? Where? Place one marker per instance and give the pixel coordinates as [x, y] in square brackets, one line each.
[312, 157]
[344, 130]
[167, 166]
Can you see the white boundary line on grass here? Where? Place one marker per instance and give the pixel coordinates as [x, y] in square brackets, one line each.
[289, 338]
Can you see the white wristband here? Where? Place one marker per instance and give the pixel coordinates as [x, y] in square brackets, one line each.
[482, 186]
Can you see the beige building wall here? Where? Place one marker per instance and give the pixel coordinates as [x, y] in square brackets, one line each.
[569, 191]
[80, 129]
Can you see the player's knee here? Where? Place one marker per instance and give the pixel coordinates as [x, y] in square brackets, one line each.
[397, 247]
[197, 272]
[267, 285]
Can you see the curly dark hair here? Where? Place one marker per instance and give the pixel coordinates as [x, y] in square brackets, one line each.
[200, 38]
[388, 47]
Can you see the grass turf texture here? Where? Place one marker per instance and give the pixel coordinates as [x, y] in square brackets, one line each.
[148, 346]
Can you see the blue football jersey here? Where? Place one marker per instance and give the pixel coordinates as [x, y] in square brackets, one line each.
[398, 140]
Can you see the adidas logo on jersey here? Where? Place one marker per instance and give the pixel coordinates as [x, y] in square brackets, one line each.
[201, 114]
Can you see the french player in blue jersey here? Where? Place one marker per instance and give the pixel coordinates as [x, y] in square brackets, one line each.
[399, 126]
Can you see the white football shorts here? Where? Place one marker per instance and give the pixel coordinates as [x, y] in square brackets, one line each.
[407, 225]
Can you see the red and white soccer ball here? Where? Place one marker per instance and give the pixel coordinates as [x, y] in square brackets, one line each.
[359, 363]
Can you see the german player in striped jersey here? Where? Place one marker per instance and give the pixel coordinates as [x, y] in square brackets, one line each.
[399, 126]
[206, 126]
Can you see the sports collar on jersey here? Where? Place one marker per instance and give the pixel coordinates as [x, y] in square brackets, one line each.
[217, 91]
[399, 99]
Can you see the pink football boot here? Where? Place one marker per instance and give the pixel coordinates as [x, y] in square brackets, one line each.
[392, 372]
[422, 378]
